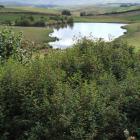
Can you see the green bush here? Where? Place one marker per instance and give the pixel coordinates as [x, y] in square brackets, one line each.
[40, 23]
[70, 20]
[9, 43]
[90, 91]
[23, 22]
[30, 21]
[83, 14]
[66, 13]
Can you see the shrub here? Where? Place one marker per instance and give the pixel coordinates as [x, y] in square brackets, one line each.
[83, 14]
[23, 22]
[40, 23]
[31, 18]
[90, 91]
[70, 20]
[30, 21]
[66, 12]
[9, 43]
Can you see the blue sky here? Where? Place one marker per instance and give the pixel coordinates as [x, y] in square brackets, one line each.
[67, 1]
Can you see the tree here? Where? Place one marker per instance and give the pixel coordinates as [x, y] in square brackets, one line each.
[66, 13]
[83, 14]
[31, 18]
[40, 23]
[23, 22]
[9, 42]
[2, 6]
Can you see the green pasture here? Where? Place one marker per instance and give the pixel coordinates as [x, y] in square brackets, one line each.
[34, 34]
[37, 9]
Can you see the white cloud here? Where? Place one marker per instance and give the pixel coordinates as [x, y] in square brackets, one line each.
[61, 2]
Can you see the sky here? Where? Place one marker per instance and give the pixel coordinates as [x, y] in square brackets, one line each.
[68, 2]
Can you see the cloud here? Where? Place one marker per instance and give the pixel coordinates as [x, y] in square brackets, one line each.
[66, 2]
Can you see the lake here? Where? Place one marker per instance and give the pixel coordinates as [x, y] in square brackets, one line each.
[68, 35]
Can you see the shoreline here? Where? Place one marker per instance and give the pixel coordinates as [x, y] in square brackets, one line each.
[122, 27]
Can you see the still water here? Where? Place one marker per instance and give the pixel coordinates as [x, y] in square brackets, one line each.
[68, 35]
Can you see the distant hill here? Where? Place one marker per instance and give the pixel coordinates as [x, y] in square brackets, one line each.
[64, 2]
[46, 6]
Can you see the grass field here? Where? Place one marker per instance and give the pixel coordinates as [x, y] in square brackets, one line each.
[38, 35]
[33, 34]
[128, 17]
[107, 19]
[10, 9]
[133, 35]
[39, 10]
[92, 9]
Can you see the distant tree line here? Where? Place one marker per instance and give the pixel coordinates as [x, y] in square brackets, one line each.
[30, 21]
[86, 14]
[129, 4]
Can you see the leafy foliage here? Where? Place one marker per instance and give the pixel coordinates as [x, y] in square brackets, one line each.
[9, 42]
[30, 21]
[66, 12]
[90, 91]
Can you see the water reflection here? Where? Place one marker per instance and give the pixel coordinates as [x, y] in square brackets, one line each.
[61, 26]
[68, 34]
